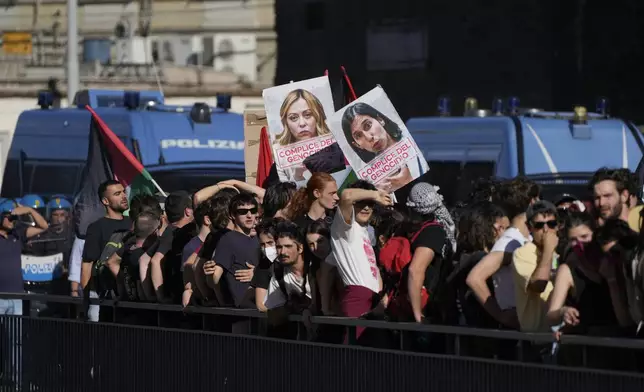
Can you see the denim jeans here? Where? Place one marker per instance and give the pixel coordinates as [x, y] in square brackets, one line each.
[94, 310]
[11, 333]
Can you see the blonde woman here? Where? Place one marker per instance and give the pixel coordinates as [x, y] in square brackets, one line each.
[303, 118]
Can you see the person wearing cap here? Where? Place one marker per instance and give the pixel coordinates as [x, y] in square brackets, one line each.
[12, 241]
[58, 210]
[533, 265]
[163, 259]
[565, 201]
[57, 239]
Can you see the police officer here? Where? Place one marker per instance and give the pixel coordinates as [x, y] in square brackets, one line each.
[12, 239]
[57, 239]
[33, 201]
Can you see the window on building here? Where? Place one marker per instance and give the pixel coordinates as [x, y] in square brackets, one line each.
[315, 15]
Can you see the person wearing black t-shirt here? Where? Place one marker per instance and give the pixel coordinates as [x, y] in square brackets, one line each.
[238, 251]
[220, 224]
[431, 247]
[312, 203]
[113, 196]
[145, 227]
[164, 257]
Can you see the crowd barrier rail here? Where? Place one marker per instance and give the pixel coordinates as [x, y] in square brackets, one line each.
[68, 353]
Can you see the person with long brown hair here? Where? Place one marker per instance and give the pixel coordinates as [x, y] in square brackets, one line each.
[312, 203]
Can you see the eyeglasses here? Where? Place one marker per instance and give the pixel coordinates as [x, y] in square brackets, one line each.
[245, 211]
[540, 225]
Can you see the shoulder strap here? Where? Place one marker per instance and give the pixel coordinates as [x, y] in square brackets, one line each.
[279, 276]
[423, 227]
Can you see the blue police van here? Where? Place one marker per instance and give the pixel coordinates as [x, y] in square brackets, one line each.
[183, 147]
[559, 150]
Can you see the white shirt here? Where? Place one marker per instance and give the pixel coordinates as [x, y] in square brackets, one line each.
[292, 283]
[503, 279]
[353, 253]
[76, 260]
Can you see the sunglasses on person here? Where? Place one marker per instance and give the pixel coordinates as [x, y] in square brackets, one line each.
[12, 218]
[245, 211]
[540, 225]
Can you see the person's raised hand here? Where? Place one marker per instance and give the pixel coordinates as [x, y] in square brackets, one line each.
[384, 199]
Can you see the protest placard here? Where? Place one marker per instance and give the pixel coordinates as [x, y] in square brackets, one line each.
[376, 142]
[302, 142]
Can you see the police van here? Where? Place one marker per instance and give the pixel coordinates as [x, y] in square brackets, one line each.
[183, 147]
[559, 150]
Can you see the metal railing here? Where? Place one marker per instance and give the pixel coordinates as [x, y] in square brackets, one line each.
[55, 344]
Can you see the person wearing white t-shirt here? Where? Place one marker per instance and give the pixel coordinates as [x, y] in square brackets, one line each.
[515, 196]
[290, 284]
[352, 249]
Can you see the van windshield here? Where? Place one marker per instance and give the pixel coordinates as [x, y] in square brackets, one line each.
[41, 177]
[578, 187]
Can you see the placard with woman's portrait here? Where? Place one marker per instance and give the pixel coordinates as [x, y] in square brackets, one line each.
[376, 142]
[302, 142]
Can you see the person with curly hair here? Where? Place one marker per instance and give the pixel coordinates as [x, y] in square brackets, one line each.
[515, 196]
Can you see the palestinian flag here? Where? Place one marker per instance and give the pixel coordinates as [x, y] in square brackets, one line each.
[107, 158]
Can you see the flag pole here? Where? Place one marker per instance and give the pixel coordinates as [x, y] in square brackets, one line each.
[346, 78]
[158, 188]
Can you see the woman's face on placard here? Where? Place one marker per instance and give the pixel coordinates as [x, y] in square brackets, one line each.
[369, 134]
[301, 121]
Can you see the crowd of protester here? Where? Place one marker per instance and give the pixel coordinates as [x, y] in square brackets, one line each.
[504, 259]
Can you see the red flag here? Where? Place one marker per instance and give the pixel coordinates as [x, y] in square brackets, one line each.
[265, 159]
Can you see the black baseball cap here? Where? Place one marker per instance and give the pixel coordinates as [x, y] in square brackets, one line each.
[565, 198]
[175, 205]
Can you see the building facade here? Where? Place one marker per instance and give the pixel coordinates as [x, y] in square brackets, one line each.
[421, 50]
[227, 35]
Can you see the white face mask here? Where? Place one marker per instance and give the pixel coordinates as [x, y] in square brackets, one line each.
[270, 252]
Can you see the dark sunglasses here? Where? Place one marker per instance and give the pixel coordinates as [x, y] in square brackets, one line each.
[364, 203]
[551, 224]
[244, 211]
[12, 218]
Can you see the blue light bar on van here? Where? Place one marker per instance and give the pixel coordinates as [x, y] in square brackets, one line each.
[45, 99]
[513, 105]
[602, 106]
[497, 107]
[131, 99]
[443, 107]
[224, 101]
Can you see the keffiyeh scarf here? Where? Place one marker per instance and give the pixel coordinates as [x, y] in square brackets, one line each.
[425, 199]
